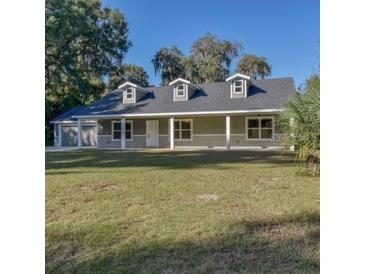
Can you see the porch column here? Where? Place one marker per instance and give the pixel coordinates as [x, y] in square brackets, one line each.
[171, 134]
[59, 141]
[79, 141]
[291, 124]
[228, 132]
[97, 133]
[122, 134]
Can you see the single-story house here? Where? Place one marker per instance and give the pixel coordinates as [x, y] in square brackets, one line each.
[237, 113]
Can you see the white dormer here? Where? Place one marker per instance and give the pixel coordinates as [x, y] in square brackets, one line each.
[239, 85]
[182, 89]
[132, 93]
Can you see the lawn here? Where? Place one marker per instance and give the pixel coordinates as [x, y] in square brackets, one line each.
[180, 212]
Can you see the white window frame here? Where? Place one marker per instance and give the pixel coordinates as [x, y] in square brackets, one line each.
[130, 91]
[242, 87]
[184, 96]
[180, 129]
[183, 90]
[259, 118]
[131, 130]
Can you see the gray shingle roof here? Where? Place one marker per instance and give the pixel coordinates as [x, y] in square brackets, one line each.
[67, 116]
[263, 94]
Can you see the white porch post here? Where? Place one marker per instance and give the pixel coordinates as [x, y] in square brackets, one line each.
[291, 123]
[59, 128]
[122, 134]
[97, 133]
[171, 134]
[55, 141]
[228, 132]
[79, 141]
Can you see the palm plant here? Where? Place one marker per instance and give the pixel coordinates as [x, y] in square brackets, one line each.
[301, 121]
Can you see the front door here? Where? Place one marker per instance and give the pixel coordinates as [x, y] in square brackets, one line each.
[152, 133]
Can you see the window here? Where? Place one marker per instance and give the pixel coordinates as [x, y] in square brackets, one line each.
[180, 90]
[117, 130]
[259, 128]
[238, 86]
[183, 129]
[129, 93]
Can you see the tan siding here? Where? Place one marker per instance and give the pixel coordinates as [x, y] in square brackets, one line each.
[238, 124]
[163, 125]
[139, 126]
[209, 125]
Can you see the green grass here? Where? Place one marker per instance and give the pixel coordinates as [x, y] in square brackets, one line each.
[141, 212]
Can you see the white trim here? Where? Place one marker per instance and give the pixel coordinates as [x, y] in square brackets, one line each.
[185, 96]
[179, 80]
[139, 135]
[180, 129]
[238, 75]
[242, 86]
[163, 135]
[104, 135]
[127, 84]
[73, 122]
[208, 135]
[259, 128]
[184, 113]
[129, 100]
[177, 91]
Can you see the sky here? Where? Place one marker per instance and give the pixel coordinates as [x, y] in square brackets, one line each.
[286, 32]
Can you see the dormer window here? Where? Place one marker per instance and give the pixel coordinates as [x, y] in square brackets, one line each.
[238, 86]
[129, 93]
[132, 93]
[180, 91]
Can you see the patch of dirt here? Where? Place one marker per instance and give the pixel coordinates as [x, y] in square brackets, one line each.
[207, 197]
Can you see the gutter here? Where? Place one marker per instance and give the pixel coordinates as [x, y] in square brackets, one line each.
[179, 114]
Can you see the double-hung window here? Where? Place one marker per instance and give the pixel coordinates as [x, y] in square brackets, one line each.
[259, 128]
[183, 129]
[129, 93]
[238, 86]
[117, 130]
[180, 91]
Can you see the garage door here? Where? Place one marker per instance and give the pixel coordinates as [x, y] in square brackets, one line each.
[89, 136]
[69, 135]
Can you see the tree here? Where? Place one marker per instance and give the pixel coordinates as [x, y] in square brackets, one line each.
[169, 63]
[211, 58]
[254, 66]
[84, 42]
[301, 121]
[126, 72]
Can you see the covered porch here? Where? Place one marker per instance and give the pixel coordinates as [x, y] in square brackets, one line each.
[234, 131]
